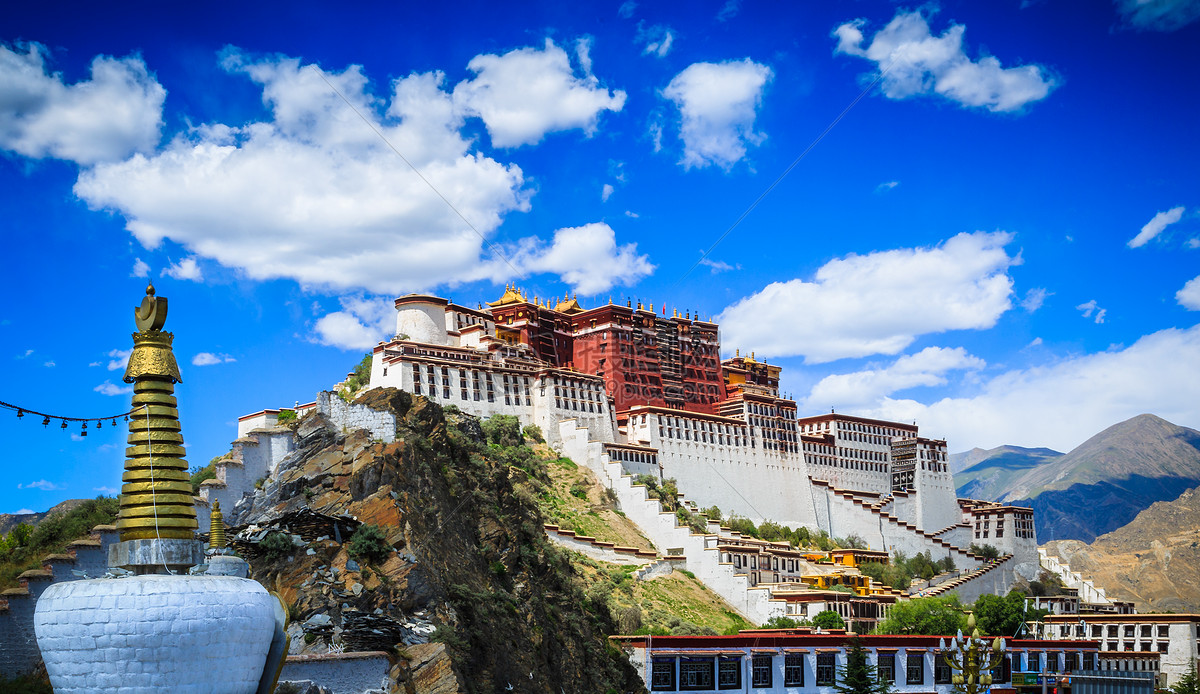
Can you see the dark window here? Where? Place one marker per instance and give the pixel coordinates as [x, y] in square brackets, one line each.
[1089, 661]
[761, 671]
[662, 675]
[826, 668]
[793, 670]
[1002, 672]
[916, 669]
[1073, 660]
[729, 673]
[695, 673]
[941, 670]
[886, 667]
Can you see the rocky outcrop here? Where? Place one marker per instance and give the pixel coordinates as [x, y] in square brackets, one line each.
[474, 595]
[1153, 561]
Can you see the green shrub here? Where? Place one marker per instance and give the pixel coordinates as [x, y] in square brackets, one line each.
[579, 490]
[276, 546]
[784, 623]
[369, 544]
[503, 430]
[285, 416]
[199, 474]
[534, 433]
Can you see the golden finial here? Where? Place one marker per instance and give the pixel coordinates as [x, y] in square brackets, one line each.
[216, 532]
[737, 352]
[156, 497]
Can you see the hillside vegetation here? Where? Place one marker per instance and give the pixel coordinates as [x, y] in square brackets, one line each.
[24, 546]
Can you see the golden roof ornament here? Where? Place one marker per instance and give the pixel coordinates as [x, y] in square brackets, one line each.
[156, 494]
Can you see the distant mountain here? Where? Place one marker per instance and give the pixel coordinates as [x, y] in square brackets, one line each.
[1010, 457]
[1097, 487]
[8, 521]
[1153, 561]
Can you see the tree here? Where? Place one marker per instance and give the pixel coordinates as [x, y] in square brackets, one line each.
[985, 551]
[1188, 684]
[503, 430]
[929, 616]
[859, 676]
[784, 623]
[997, 616]
[829, 620]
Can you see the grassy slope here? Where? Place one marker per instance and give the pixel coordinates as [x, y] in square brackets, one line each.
[665, 601]
[591, 515]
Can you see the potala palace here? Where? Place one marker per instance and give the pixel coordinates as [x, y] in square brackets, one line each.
[648, 390]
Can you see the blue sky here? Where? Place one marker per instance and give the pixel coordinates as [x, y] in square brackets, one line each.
[983, 217]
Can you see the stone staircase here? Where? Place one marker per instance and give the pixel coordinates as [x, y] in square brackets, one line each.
[1089, 592]
[991, 578]
[661, 527]
[896, 534]
[251, 459]
[19, 653]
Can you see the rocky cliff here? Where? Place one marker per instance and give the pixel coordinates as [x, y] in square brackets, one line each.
[469, 592]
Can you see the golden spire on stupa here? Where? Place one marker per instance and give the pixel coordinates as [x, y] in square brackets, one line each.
[216, 532]
[156, 497]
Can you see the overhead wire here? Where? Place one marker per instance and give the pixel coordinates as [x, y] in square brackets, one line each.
[832, 124]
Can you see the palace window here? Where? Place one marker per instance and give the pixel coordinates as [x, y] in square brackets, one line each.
[729, 673]
[941, 670]
[662, 677]
[761, 671]
[793, 670]
[915, 672]
[826, 669]
[695, 673]
[886, 667]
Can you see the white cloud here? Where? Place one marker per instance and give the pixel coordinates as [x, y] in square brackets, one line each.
[1155, 226]
[627, 9]
[877, 303]
[1158, 15]
[1034, 298]
[186, 269]
[587, 258]
[718, 265]
[606, 192]
[106, 490]
[23, 511]
[526, 93]
[1034, 342]
[208, 359]
[140, 268]
[42, 485]
[885, 187]
[110, 388]
[925, 368]
[1189, 296]
[917, 63]
[360, 324]
[1062, 404]
[105, 118]
[656, 40]
[1092, 308]
[28, 353]
[313, 193]
[718, 103]
[729, 10]
[1193, 243]
[49, 365]
[120, 359]
[631, 214]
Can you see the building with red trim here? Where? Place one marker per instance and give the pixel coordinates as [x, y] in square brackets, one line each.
[801, 660]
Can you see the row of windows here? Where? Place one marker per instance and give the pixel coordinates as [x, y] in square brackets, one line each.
[725, 672]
